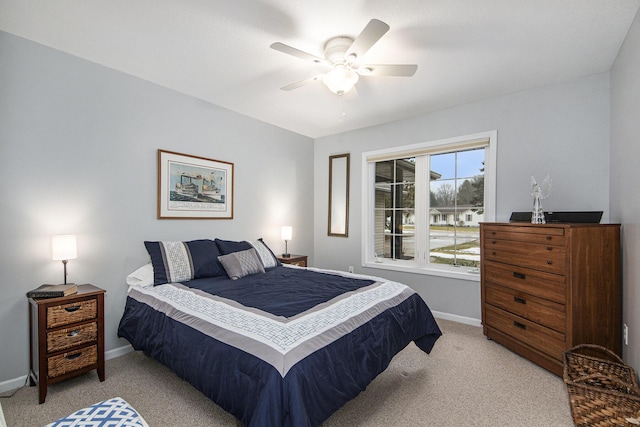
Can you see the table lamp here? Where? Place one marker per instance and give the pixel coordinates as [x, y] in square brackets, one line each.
[63, 249]
[286, 233]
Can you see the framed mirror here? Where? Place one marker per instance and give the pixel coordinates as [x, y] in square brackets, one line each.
[339, 195]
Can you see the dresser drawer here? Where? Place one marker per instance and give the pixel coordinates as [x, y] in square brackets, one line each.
[530, 255]
[538, 310]
[536, 283]
[72, 361]
[70, 337]
[65, 314]
[537, 234]
[539, 337]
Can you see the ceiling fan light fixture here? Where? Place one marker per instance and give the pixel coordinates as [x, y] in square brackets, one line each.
[340, 79]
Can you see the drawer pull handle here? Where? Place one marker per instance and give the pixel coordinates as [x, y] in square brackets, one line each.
[74, 333]
[73, 356]
[549, 262]
[520, 300]
[519, 325]
[548, 237]
[519, 275]
[549, 248]
[493, 253]
[72, 309]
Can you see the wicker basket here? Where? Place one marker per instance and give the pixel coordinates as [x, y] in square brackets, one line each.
[603, 391]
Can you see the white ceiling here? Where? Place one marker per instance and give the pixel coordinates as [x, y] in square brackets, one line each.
[218, 50]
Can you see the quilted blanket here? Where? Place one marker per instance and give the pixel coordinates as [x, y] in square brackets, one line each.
[284, 348]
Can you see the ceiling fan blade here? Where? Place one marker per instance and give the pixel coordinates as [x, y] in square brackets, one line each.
[374, 30]
[301, 83]
[397, 70]
[298, 53]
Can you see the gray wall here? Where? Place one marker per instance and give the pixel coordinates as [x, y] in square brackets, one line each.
[78, 154]
[560, 130]
[625, 176]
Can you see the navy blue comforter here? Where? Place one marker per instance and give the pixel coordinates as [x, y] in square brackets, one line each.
[286, 348]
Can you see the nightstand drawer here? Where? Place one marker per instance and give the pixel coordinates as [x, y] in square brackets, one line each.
[70, 337]
[72, 361]
[65, 314]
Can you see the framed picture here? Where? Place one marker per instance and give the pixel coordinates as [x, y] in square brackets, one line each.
[192, 187]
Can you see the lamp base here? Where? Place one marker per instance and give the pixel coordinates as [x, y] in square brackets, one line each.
[286, 255]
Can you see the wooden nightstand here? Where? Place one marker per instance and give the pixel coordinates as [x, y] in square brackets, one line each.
[66, 337]
[299, 260]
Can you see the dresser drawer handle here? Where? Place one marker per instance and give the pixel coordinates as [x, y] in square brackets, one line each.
[549, 262]
[548, 237]
[549, 248]
[74, 333]
[520, 300]
[519, 275]
[519, 325]
[73, 356]
[72, 309]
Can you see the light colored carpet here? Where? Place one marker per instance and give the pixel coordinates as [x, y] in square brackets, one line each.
[467, 380]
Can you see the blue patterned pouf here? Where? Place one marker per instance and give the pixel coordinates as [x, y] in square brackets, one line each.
[112, 412]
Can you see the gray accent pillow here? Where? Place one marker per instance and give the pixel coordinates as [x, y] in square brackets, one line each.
[242, 263]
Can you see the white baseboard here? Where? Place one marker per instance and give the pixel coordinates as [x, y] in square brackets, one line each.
[20, 381]
[12, 385]
[117, 352]
[455, 318]
[3, 423]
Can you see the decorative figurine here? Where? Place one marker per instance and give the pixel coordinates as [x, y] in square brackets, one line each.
[539, 192]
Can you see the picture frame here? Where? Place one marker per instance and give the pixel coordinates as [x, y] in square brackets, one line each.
[194, 187]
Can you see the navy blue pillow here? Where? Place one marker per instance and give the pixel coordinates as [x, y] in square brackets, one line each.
[184, 261]
[230, 246]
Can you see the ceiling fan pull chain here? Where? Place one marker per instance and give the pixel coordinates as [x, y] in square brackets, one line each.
[343, 113]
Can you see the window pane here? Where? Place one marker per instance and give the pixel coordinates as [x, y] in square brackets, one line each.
[457, 205]
[394, 214]
[444, 165]
[384, 171]
[383, 196]
[408, 195]
[405, 247]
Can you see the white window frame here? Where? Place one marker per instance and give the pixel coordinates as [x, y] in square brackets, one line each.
[419, 264]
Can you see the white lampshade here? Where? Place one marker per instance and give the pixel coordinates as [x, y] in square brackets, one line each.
[341, 79]
[286, 233]
[63, 247]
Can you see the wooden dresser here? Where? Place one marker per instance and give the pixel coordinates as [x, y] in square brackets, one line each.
[548, 287]
[66, 337]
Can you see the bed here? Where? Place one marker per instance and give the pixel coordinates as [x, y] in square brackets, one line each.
[274, 345]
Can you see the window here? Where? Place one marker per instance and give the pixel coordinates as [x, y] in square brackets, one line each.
[425, 202]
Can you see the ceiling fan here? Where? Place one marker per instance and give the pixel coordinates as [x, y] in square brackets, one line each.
[342, 55]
